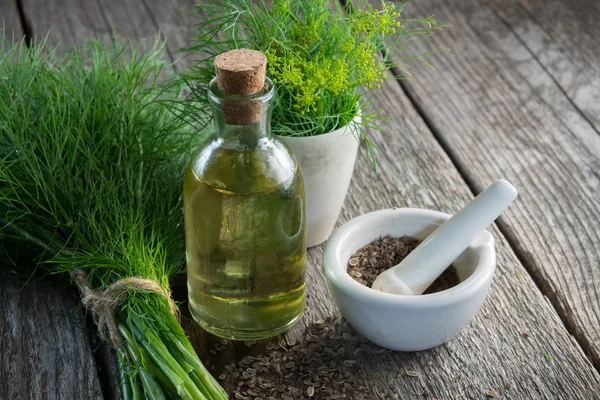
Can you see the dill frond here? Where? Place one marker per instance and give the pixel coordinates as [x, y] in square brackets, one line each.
[91, 167]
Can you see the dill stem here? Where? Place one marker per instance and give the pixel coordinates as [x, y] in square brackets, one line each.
[160, 354]
[160, 375]
[198, 376]
[152, 389]
[136, 392]
[180, 347]
[199, 372]
[125, 384]
[130, 340]
[139, 356]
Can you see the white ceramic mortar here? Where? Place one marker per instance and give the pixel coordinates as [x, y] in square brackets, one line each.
[399, 322]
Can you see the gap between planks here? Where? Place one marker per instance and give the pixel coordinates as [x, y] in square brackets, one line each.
[542, 284]
[453, 160]
[101, 358]
[540, 280]
[24, 22]
[542, 66]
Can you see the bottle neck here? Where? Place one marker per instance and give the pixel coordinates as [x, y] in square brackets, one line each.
[246, 135]
[242, 121]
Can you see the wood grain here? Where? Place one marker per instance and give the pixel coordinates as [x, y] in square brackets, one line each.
[45, 352]
[69, 23]
[562, 36]
[9, 19]
[498, 113]
[175, 20]
[516, 346]
[72, 21]
[492, 353]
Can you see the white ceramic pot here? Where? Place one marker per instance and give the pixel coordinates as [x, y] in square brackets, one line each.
[327, 162]
[401, 322]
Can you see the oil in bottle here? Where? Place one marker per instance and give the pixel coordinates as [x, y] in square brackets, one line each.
[244, 212]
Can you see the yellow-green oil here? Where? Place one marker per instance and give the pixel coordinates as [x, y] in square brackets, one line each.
[245, 240]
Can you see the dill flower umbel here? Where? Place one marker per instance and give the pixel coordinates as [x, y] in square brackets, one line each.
[321, 56]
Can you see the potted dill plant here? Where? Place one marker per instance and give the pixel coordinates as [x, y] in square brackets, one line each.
[324, 59]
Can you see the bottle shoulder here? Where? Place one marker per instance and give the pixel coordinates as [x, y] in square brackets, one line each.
[267, 166]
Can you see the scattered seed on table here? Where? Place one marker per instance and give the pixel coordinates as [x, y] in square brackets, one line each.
[412, 373]
[492, 393]
[310, 391]
[328, 358]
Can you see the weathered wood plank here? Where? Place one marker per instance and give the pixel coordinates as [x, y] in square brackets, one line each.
[515, 340]
[44, 349]
[175, 20]
[563, 37]
[416, 172]
[499, 114]
[9, 19]
[491, 353]
[71, 22]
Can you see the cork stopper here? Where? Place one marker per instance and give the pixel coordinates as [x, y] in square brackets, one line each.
[241, 72]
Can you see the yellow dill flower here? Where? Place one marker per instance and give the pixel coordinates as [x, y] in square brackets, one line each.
[281, 7]
[348, 45]
[364, 55]
[273, 60]
[372, 21]
[373, 77]
[388, 18]
[363, 21]
[307, 97]
[338, 76]
[318, 71]
[287, 71]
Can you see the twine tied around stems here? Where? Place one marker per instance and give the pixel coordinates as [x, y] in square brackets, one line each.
[103, 303]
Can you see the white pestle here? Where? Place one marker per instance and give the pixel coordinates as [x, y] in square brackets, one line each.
[431, 258]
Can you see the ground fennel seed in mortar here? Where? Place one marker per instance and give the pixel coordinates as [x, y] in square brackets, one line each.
[323, 362]
[382, 254]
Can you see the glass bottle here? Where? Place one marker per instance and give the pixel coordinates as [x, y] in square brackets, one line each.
[244, 223]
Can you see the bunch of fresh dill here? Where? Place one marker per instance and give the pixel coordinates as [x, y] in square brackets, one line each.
[321, 56]
[91, 165]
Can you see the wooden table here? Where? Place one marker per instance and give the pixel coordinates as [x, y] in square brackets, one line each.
[518, 97]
